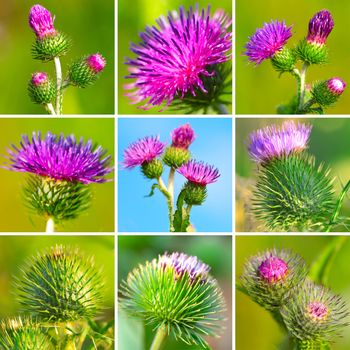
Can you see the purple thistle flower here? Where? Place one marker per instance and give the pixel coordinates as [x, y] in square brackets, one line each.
[41, 21]
[143, 151]
[182, 264]
[199, 173]
[320, 26]
[39, 78]
[96, 62]
[172, 60]
[275, 142]
[317, 311]
[336, 86]
[182, 136]
[273, 269]
[60, 158]
[267, 41]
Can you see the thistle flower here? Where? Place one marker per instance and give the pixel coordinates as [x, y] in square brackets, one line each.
[60, 285]
[199, 173]
[41, 89]
[39, 78]
[336, 86]
[41, 22]
[60, 158]
[182, 136]
[276, 142]
[320, 26]
[175, 292]
[270, 275]
[174, 59]
[313, 313]
[267, 41]
[96, 62]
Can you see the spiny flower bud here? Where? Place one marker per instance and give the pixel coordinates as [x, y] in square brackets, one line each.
[60, 285]
[154, 292]
[41, 89]
[85, 71]
[328, 92]
[183, 136]
[270, 275]
[152, 169]
[313, 314]
[320, 26]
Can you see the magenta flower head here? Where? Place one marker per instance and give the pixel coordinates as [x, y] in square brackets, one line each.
[182, 136]
[276, 142]
[267, 41]
[336, 86]
[320, 26]
[41, 22]
[60, 158]
[172, 60]
[39, 78]
[199, 173]
[96, 62]
[268, 276]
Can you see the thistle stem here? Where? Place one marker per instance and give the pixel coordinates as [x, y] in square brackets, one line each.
[302, 86]
[167, 195]
[171, 185]
[58, 85]
[50, 226]
[336, 212]
[50, 109]
[159, 339]
[221, 108]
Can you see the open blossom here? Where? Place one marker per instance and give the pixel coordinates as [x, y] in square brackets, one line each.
[267, 41]
[60, 158]
[39, 78]
[96, 62]
[41, 22]
[199, 173]
[182, 136]
[173, 59]
[143, 151]
[320, 26]
[275, 142]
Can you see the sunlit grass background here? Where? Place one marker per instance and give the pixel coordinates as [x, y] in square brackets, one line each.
[89, 23]
[255, 328]
[15, 217]
[329, 143]
[260, 89]
[214, 251]
[132, 22]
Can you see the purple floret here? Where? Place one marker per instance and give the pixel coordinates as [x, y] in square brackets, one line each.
[336, 86]
[60, 158]
[39, 78]
[267, 41]
[182, 136]
[143, 151]
[273, 269]
[173, 59]
[320, 26]
[199, 173]
[41, 21]
[275, 142]
[96, 62]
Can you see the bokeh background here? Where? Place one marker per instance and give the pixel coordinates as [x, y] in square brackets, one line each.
[262, 85]
[329, 143]
[15, 217]
[90, 24]
[213, 145]
[131, 23]
[213, 250]
[255, 328]
[16, 250]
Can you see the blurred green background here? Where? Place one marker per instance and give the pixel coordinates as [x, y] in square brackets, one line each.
[260, 89]
[16, 250]
[89, 23]
[15, 217]
[131, 23]
[212, 250]
[255, 328]
[329, 143]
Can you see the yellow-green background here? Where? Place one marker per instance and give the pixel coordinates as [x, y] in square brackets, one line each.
[16, 250]
[89, 23]
[255, 328]
[14, 216]
[133, 21]
[329, 143]
[259, 89]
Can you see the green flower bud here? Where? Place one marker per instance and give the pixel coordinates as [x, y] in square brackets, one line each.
[195, 194]
[41, 89]
[284, 60]
[152, 169]
[312, 53]
[174, 157]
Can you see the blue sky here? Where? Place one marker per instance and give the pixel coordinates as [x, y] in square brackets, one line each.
[213, 145]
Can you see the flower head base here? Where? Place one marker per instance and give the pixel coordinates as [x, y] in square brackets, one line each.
[182, 136]
[96, 62]
[273, 269]
[275, 142]
[143, 151]
[267, 41]
[41, 21]
[172, 60]
[39, 78]
[199, 173]
[320, 26]
[60, 158]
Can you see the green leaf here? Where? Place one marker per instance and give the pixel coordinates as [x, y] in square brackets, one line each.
[153, 188]
[181, 217]
[131, 333]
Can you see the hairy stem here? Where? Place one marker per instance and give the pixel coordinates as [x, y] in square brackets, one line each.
[50, 109]
[167, 195]
[221, 108]
[171, 184]
[58, 85]
[336, 212]
[50, 226]
[159, 339]
[302, 86]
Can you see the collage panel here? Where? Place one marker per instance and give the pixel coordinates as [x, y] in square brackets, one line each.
[293, 291]
[57, 292]
[175, 292]
[171, 178]
[57, 175]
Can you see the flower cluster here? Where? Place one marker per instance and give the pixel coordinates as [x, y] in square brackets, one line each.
[270, 42]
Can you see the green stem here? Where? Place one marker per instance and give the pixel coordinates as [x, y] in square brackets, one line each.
[58, 85]
[50, 109]
[336, 212]
[50, 225]
[221, 108]
[159, 339]
[171, 185]
[302, 86]
[167, 195]
[296, 74]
